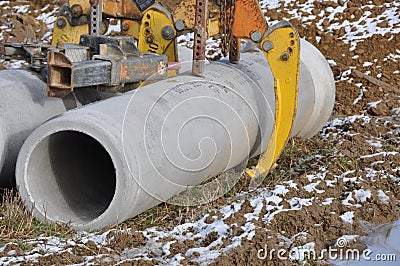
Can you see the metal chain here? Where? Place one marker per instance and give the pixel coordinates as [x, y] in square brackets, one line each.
[227, 24]
[223, 26]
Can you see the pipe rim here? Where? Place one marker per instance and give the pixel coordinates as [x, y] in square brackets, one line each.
[324, 88]
[110, 144]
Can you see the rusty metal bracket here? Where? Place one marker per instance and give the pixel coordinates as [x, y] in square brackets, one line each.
[200, 37]
[96, 17]
[130, 68]
[249, 20]
[60, 75]
[117, 63]
[234, 52]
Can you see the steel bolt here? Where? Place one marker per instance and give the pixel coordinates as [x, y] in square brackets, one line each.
[60, 45]
[76, 11]
[125, 27]
[256, 36]
[179, 25]
[168, 32]
[285, 57]
[268, 46]
[61, 23]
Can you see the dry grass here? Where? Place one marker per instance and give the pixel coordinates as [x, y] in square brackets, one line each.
[168, 215]
[17, 224]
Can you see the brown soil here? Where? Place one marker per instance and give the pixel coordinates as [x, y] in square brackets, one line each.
[331, 227]
[23, 26]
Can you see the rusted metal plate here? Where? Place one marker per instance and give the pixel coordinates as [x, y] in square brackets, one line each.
[234, 53]
[65, 76]
[150, 67]
[185, 11]
[128, 68]
[248, 18]
[171, 5]
[122, 9]
[60, 75]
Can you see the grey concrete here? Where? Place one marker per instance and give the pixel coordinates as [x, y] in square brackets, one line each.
[2, 143]
[109, 161]
[318, 100]
[23, 107]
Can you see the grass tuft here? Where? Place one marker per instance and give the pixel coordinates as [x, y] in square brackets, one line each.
[17, 224]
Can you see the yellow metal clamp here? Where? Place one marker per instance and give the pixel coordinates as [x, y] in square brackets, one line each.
[65, 33]
[157, 34]
[63, 30]
[281, 47]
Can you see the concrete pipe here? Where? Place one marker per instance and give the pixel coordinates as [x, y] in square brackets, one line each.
[23, 107]
[317, 103]
[104, 163]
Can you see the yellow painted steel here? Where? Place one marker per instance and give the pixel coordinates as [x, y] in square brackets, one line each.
[133, 28]
[282, 50]
[152, 40]
[213, 26]
[69, 34]
[150, 36]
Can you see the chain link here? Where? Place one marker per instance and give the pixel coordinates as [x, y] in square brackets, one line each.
[226, 20]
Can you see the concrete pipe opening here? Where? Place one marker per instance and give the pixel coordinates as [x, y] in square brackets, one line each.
[73, 176]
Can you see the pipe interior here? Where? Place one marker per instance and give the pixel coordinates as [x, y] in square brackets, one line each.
[73, 176]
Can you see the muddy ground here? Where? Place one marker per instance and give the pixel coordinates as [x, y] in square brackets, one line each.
[337, 185]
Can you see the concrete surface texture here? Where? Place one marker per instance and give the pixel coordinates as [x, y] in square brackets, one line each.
[106, 162]
[23, 107]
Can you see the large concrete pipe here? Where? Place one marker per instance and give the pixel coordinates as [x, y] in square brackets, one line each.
[110, 161]
[23, 107]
